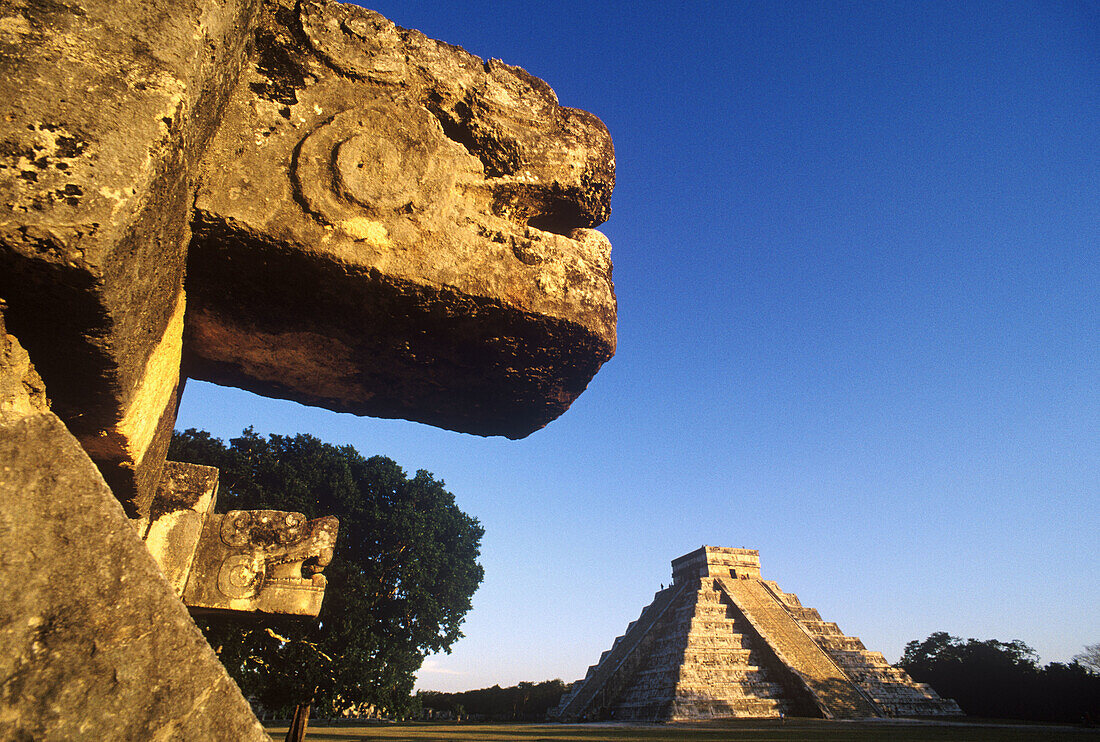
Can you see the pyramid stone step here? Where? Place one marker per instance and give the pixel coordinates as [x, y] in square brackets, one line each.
[833, 691]
[841, 643]
[707, 708]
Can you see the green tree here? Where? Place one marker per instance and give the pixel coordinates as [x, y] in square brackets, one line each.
[987, 678]
[941, 648]
[1089, 658]
[526, 701]
[998, 679]
[399, 586]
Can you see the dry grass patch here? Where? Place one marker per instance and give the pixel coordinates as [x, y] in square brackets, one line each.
[748, 730]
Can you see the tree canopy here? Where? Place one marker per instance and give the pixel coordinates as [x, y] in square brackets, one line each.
[524, 702]
[399, 586]
[1089, 658]
[942, 648]
[996, 679]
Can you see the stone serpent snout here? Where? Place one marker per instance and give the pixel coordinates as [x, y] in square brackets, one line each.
[262, 560]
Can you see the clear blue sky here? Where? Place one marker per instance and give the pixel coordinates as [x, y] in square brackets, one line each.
[856, 258]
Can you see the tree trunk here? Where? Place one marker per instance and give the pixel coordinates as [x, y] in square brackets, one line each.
[298, 725]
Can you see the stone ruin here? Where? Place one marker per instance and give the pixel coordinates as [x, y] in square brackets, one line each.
[295, 197]
[721, 642]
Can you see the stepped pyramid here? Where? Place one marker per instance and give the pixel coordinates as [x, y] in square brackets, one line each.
[722, 642]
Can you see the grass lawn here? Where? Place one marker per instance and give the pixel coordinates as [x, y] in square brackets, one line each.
[747, 730]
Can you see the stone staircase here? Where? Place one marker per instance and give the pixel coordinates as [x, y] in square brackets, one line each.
[723, 672]
[587, 697]
[830, 687]
[889, 687]
[702, 666]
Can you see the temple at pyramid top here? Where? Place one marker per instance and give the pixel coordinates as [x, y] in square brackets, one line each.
[722, 642]
[717, 561]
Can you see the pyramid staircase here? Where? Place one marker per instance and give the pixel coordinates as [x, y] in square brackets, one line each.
[605, 678]
[889, 687]
[720, 642]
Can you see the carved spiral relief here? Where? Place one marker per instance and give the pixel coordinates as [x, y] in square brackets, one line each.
[271, 547]
[356, 41]
[240, 576]
[378, 162]
[236, 528]
[263, 528]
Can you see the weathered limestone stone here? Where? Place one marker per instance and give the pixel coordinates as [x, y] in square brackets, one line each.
[258, 561]
[186, 495]
[105, 106]
[266, 561]
[722, 642]
[22, 391]
[386, 225]
[94, 643]
[389, 226]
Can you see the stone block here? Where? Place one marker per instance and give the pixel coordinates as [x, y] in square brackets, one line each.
[187, 493]
[105, 106]
[94, 643]
[22, 391]
[387, 225]
[266, 561]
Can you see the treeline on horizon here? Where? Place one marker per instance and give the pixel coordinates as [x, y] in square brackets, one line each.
[1003, 680]
[524, 702]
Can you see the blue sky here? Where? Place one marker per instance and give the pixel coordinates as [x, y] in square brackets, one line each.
[855, 252]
